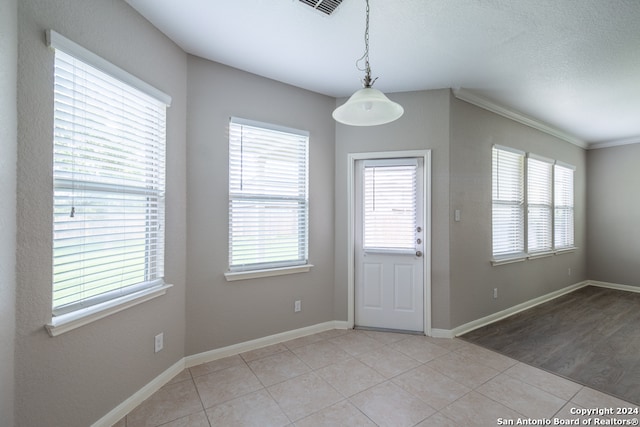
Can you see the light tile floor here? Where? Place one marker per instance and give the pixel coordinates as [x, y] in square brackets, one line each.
[365, 378]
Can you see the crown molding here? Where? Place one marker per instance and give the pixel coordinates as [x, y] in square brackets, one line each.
[484, 103]
[614, 143]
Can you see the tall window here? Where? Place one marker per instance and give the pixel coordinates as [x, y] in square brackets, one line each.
[268, 196]
[563, 206]
[109, 184]
[541, 198]
[508, 201]
[539, 204]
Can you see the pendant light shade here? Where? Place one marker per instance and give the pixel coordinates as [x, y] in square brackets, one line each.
[368, 107]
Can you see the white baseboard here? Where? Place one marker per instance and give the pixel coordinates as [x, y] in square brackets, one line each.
[144, 393]
[468, 327]
[442, 333]
[117, 413]
[615, 286]
[219, 353]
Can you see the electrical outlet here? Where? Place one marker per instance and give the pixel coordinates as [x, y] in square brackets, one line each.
[297, 306]
[159, 342]
[569, 272]
[495, 293]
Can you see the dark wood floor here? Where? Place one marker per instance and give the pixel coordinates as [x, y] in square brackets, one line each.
[591, 336]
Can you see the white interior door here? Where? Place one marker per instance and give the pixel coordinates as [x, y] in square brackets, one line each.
[389, 244]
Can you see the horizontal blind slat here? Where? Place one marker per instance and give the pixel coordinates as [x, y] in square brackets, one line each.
[268, 201]
[109, 184]
[508, 201]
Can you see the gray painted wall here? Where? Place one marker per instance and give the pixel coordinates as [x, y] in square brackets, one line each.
[473, 132]
[424, 125]
[221, 313]
[76, 378]
[8, 152]
[614, 213]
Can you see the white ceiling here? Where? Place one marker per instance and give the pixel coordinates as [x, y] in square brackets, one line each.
[572, 64]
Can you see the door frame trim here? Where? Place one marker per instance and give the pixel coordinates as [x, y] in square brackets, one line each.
[351, 221]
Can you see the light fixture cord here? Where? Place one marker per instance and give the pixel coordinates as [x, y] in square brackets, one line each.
[366, 82]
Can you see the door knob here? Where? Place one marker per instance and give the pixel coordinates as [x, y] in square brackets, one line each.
[418, 253]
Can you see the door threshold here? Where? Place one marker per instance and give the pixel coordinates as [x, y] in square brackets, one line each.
[395, 331]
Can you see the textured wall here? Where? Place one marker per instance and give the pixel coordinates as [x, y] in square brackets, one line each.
[424, 125]
[473, 132]
[76, 378]
[8, 150]
[221, 313]
[614, 212]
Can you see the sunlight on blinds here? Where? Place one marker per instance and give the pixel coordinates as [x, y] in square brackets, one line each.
[268, 200]
[563, 207]
[390, 207]
[508, 201]
[539, 202]
[109, 187]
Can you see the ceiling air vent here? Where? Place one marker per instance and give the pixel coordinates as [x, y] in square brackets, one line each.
[325, 6]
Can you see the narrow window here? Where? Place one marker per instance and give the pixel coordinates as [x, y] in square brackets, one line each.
[268, 196]
[508, 202]
[563, 206]
[109, 185]
[539, 204]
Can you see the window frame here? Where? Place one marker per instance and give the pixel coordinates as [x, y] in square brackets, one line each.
[516, 202]
[294, 141]
[528, 204]
[542, 204]
[86, 310]
[570, 241]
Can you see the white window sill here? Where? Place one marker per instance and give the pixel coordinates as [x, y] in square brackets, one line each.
[536, 255]
[70, 321]
[509, 260]
[232, 276]
[566, 250]
[524, 257]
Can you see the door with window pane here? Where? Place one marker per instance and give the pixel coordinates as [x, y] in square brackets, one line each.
[389, 273]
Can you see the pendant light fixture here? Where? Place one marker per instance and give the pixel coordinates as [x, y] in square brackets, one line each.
[368, 106]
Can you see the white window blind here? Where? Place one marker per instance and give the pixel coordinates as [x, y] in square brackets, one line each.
[268, 196]
[109, 186]
[508, 202]
[563, 206]
[389, 206]
[539, 204]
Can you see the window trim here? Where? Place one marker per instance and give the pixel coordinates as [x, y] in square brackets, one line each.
[57, 41]
[546, 251]
[514, 257]
[257, 270]
[511, 257]
[70, 320]
[232, 276]
[75, 319]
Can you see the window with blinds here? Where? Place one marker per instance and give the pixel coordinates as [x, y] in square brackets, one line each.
[268, 196]
[549, 212]
[563, 206]
[539, 204]
[508, 202]
[389, 204]
[109, 185]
